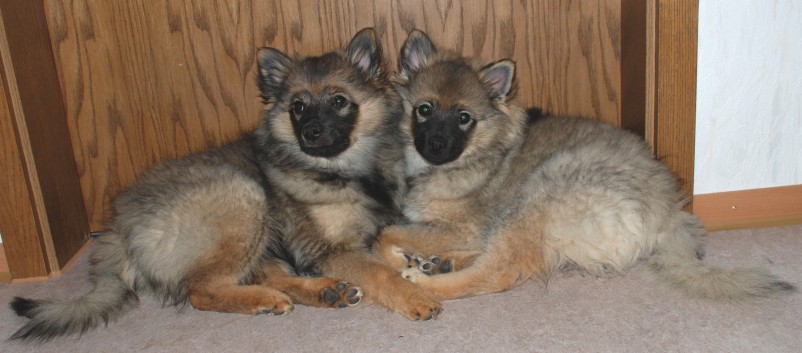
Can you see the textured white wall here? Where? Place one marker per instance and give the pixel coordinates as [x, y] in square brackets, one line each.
[749, 95]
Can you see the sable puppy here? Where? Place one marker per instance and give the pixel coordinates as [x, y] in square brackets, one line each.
[498, 196]
[283, 216]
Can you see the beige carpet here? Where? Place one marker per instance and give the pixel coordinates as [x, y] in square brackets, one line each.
[574, 314]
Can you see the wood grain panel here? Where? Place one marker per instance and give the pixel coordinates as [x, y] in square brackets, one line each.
[5, 274]
[768, 207]
[46, 146]
[18, 221]
[41, 123]
[634, 24]
[675, 86]
[650, 80]
[149, 81]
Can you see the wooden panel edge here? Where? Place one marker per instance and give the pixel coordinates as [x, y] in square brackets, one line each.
[30, 279]
[66, 268]
[42, 130]
[5, 273]
[73, 260]
[3, 261]
[24, 250]
[634, 62]
[675, 84]
[756, 223]
[650, 111]
[755, 208]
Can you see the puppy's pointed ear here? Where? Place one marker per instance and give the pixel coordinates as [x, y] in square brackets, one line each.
[416, 53]
[273, 69]
[365, 52]
[498, 79]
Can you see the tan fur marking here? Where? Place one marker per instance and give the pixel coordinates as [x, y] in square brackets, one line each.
[213, 285]
[341, 223]
[383, 285]
[307, 290]
[225, 295]
[397, 240]
[282, 127]
[502, 267]
[368, 113]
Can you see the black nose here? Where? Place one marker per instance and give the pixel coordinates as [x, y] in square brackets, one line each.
[437, 144]
[312, 131]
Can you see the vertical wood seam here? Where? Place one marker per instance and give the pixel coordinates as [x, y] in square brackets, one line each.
[632, 79]
[28, 163]
[676, 50]
[650, 127]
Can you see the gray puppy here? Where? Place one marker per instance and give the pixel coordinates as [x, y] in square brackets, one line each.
[283, 216]
[497, 197]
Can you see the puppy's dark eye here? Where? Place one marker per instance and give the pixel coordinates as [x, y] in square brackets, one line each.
[424, 109]
[339, 101]
[464, 118]
[298, 107]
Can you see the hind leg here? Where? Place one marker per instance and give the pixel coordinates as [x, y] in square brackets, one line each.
[214, 285]
[223, 294]
[323, 292]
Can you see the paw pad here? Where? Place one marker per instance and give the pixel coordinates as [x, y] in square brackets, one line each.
[430, 266]
[342, 295]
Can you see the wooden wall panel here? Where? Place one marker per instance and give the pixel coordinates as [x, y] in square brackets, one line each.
[148, 81]
[650, 73]
[567, 52]
[767, 207]
[24, 253]
[51, 183]
[634, 30]
[675, 87]
[5, 274]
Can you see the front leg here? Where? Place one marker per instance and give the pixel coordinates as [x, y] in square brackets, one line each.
[513, 255]
[396, 245]
[382, 285]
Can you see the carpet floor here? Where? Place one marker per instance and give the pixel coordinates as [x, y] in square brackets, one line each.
[572, 314]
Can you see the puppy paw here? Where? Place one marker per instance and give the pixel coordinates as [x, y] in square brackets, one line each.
[426, 312]
[429, 265]
[412, 274]
[421, 307]
[342, 295]
[280, 308]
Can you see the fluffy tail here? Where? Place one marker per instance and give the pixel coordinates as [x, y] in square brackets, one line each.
[676, 263]
[110, 298]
